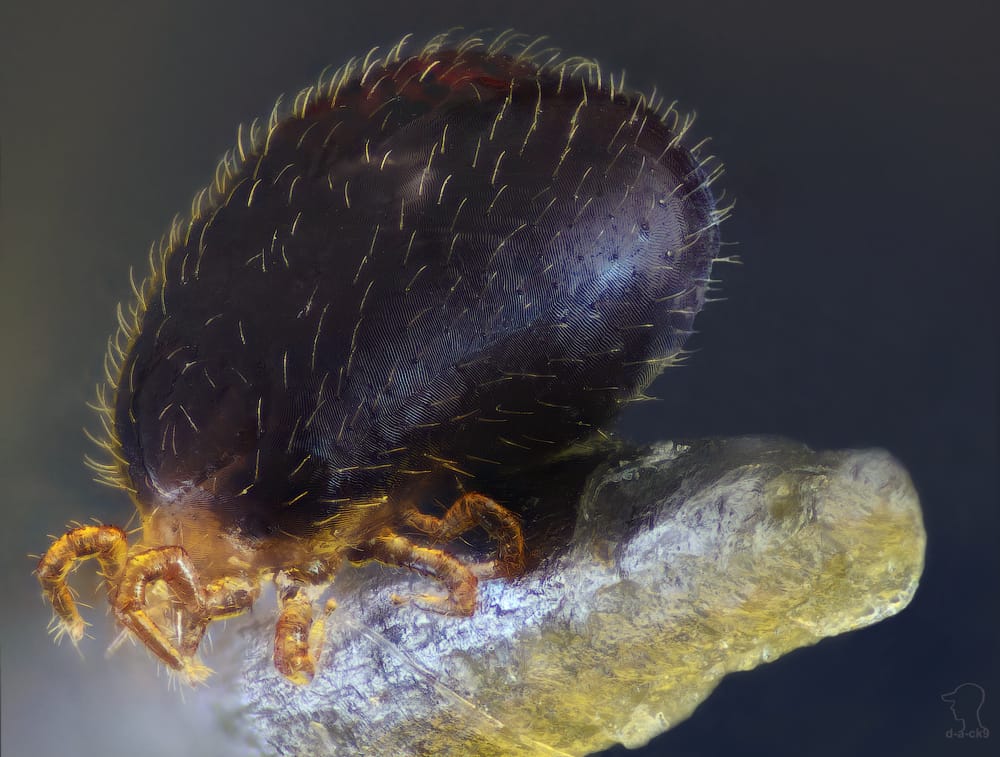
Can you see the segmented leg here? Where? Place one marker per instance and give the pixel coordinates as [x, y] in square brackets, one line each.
[473, 509]
[172, 566]
[107, 543]
[230, 596]
[127, 581]
[458, 579]
[298, 637]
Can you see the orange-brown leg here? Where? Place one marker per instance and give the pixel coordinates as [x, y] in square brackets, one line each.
[473, 509]
[298, 637]
[224, 598]
[127, 582]
[458, 579]
[107, 543]
[230, 596]
[172, 566]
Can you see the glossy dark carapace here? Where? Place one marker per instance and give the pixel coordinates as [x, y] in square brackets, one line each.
[420, 272]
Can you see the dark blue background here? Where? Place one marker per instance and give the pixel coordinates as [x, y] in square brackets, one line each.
[861, 146]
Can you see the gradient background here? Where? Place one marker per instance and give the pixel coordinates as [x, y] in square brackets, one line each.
[861, 145]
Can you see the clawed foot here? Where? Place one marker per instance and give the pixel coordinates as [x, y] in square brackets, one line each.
[173, 628]
[172, 624]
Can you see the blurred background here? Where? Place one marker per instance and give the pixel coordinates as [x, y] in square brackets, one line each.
[861, 146]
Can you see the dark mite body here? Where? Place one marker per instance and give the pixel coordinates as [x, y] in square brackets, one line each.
[429, 268]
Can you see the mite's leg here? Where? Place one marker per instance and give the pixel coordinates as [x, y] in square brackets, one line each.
[473, 509]
[458, 579]
[106, 543]
[172, 566]
[298, 637]
[230, 596]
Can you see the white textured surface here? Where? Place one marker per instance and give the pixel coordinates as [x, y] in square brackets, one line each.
[686, 563]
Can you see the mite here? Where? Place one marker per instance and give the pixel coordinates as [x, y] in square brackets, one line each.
[422, 271]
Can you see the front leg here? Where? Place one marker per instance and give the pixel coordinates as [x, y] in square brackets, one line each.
[106, 543]
[172, 566]
[199, 606]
